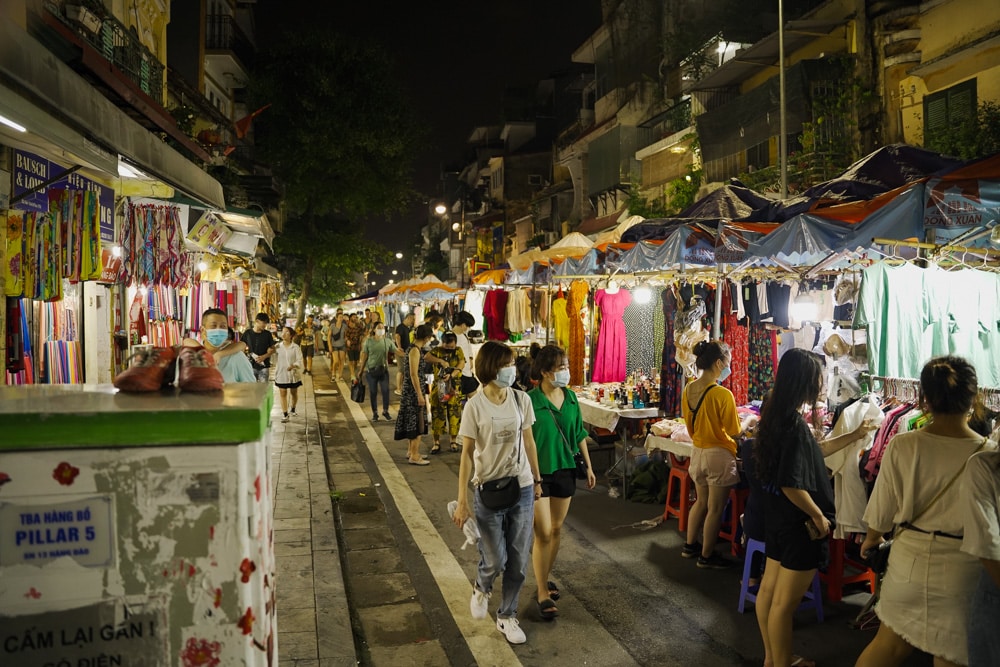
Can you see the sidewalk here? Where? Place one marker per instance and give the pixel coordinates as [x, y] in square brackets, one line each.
[314, 622]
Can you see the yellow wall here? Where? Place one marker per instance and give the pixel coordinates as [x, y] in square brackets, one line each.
[837, 42]
[666, 165]
[950, 24]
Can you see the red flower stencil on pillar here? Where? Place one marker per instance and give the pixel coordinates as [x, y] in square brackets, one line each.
[218, 598]
[256, 488]
[201, 653]
[33, 593]
[246, 622]
[247, 568]
[4, 478]
[65, 474]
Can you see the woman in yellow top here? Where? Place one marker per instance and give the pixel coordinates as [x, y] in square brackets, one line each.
[710, 413]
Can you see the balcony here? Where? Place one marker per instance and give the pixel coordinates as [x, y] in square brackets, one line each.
[225, 40]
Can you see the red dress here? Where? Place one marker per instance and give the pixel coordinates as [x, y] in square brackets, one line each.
[494, 310]
[612, 347]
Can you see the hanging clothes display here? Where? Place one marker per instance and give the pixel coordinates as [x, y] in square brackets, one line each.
[152, 247]
[560, 321]
[643, 328]
[517, 318]
[495, 311]
[577, 349]
[689, 331]
[738, 339]
[612, 345]
[670, 370]
[474, 306]
[762, 350]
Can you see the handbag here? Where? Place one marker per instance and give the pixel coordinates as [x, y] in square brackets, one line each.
[381, 371]
[581, 465]
[504, 492]
[357, 391]
[878, 557]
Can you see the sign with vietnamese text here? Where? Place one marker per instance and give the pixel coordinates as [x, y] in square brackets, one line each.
[32, 170]
[36, 534]
[99, 635]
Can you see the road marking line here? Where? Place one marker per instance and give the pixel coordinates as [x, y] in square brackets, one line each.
[482, 637]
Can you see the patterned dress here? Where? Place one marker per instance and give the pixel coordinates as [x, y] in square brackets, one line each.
[612, 348]
[644, 329]
[411, 420]
[577, 341]
[670, 370]
[762, 354]
[447, 413]
[737, 337]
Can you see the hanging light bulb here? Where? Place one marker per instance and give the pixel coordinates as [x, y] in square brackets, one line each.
[116, 251]
[405, 308]
[643, 295]
[202, 266]
[804, 308]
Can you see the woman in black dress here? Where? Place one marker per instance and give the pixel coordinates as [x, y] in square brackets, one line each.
[411, 421]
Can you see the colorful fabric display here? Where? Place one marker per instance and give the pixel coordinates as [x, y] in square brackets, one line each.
[14, 257]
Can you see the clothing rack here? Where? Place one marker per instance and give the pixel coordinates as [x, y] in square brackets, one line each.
[908, 389]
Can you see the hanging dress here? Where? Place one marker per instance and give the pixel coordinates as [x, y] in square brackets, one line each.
[495, 311]
[670, 370]
[737, 337]
[577, 341]
[612, 346]
[644, 332]
[560, 321]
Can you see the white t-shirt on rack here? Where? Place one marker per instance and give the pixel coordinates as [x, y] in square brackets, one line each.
[499, 434]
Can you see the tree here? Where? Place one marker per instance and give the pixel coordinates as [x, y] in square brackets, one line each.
[340, 136]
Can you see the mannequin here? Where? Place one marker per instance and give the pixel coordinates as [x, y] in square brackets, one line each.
[612, 287]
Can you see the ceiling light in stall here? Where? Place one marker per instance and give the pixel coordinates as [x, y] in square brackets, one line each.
[202, 267]
[643, 294]
[804, 308]
[116, 251]
[12, 125]
[391, 281]
[126, 170]
[405, 308]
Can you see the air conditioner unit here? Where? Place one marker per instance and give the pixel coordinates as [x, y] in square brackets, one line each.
[551, 238]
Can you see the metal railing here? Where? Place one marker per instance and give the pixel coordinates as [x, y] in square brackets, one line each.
[223, 33]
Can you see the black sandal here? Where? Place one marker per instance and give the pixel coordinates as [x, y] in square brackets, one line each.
[547, 609]
[436, 449]
[553, 590]
[454, 446]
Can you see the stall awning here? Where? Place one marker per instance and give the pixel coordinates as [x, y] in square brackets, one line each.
[93, 129]
[247, 225]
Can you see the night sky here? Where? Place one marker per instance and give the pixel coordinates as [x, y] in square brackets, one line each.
[455, 57]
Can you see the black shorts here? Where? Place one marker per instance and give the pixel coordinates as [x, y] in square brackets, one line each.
[792, 547]
[560, 484]
[308, 350]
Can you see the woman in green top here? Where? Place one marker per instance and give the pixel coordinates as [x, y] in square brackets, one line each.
[375, 362]
[559, 434]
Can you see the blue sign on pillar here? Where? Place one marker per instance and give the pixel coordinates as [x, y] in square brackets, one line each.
[31, 170]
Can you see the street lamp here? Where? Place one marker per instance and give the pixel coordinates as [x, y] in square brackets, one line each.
[440, 209]
[399, 255]
[395, 272]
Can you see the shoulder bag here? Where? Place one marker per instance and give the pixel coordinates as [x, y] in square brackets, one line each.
[878, 557]
[382, 371]
[581, 465]
[504, 492]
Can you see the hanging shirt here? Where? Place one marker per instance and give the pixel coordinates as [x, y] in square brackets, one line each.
[893, 306]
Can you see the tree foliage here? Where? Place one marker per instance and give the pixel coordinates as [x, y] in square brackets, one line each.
[976, 136]
[340, 136]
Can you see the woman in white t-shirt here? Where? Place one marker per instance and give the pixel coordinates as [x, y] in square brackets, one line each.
[498, 442]
[463, 322]
[924, 598]
[287, 370]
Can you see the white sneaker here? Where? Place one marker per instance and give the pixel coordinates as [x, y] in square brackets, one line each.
[479, 605]
[511, 629]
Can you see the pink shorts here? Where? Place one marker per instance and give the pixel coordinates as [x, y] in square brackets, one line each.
[713, 466]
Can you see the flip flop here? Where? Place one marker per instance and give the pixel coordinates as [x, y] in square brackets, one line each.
[799, 661]
[421, 462]
[553, 590]
[454, 447]
[547, 609]
[436, 449]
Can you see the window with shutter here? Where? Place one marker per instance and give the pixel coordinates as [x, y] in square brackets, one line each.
[948, 108]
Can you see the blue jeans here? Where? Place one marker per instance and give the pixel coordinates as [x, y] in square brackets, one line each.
[984, 640]
[505, 546]
[374, 384]
[262, 374]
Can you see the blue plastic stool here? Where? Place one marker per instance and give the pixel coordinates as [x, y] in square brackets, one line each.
[813, 599]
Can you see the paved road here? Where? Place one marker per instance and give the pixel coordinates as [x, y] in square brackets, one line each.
[628, 598]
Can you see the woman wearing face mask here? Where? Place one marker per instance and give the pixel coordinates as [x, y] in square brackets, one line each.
[375, 362]
[710, 414]
[497, 443]
[287, 370]
[411, 420]
[559, 434]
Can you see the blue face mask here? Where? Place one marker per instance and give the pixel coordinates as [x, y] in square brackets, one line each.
[562, 378]
[506, 376]
[216, 337]
[726, 372]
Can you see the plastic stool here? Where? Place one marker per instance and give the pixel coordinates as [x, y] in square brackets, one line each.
[678, 474]
[813, 599]
[834, 575]
[730, 528]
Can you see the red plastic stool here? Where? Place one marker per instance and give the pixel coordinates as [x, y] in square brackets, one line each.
[834, 576]
[730, 528]
[678, 480]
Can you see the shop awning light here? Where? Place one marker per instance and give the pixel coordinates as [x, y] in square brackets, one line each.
[643, 295]
[804, 308]
[126, 170]
[11, 124]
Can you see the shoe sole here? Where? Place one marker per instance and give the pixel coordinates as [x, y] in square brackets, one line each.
[713, 566]
[685, 554]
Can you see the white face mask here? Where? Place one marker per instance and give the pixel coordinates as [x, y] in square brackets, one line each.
[726, 372]
[380, 332]
[562, 378]
[506, 376]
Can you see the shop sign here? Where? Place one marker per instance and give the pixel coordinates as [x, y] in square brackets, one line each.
[99, 635]
[37, 534]
[210, 234]
[31, 170]
[954, 204]
[111, 267]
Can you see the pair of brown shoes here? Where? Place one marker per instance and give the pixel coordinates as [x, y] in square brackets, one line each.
[153, 369]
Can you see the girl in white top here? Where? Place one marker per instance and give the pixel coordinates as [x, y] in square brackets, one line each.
[981, 516]
[498, 442]
[924, 600]
[287, 365]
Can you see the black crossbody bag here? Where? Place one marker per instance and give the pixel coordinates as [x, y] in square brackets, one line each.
[504, 492]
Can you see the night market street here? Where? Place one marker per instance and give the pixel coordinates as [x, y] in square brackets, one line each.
[627, 596]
